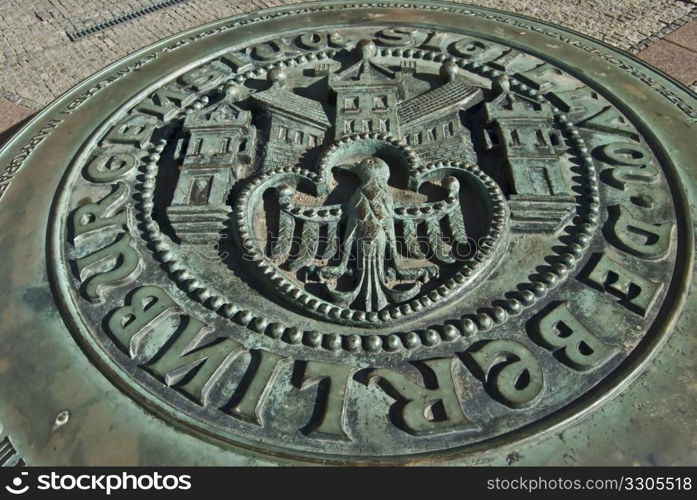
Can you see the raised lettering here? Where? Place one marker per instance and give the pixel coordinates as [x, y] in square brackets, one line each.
[609, 120]
[436, 40]
[239, 61]
[560, 331]
[510, 372]
[471, 48]
[634, 236]
[540, 77]
[126, 262]
[401, 37]
[206, 77]
[636, 293]
[250, 397]
[194, 363]
[135, 130]
[109, 167]
[425, 410]
[167, 102]
[332, 381]
[313, 41]
[272, 51]
[634, 160]
[146, 308]
[94, 216]
[576, 100]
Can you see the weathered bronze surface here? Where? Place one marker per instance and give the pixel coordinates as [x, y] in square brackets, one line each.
[350, 233]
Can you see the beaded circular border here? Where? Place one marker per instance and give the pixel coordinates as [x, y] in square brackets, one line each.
[514, 302]
[490, 244]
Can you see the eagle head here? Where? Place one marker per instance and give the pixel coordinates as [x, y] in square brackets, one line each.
[368, 169]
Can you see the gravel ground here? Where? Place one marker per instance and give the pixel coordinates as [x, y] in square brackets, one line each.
[39, 60]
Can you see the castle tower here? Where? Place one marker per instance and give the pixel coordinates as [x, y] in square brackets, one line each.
[296, 123]
[366, 96]
[431, 123]
[220, 147]
[522, 130]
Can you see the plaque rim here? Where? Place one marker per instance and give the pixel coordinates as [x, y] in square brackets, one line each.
[610, 386]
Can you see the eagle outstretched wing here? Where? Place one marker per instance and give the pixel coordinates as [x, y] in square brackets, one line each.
[316, 225]
[320, 233]
[434, 215]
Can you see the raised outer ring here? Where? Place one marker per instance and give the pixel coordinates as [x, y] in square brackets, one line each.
[591, 400]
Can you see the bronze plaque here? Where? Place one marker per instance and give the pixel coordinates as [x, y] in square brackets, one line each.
[341, 233]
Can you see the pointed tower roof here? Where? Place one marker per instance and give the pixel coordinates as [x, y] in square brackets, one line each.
[455, 93]
[280, 99]
[366, 71]
[223, 113]
[509, 105]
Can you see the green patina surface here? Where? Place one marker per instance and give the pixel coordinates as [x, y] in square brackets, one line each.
[395, 233]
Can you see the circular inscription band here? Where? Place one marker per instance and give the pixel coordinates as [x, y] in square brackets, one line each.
[363, 233]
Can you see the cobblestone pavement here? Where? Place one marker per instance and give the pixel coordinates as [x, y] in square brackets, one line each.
[40, 61]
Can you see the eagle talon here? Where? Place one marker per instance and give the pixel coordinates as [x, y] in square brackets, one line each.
[313, 273]
[321, 274]
[422, 274]
[435, 272]
[427, 273]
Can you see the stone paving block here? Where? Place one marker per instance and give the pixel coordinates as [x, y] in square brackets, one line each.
[677, 61]
[40, 62]
[686, 36]
[11, 114]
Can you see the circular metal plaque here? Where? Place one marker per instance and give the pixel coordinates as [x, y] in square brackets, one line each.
[347, 233]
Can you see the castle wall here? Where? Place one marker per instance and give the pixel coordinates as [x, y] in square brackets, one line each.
[289, 140]
[362, 109]
[443, 138]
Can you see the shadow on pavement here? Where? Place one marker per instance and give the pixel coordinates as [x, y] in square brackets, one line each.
[6, 135]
